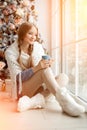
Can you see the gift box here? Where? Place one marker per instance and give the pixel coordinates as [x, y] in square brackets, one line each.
[8, 86]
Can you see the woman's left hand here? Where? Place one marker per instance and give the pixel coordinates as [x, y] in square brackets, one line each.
[51, 62]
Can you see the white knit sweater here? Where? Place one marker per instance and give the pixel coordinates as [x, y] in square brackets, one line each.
[11, 55]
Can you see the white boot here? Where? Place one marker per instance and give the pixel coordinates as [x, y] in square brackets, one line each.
[68, 104]
[81, 102]
[26, 103]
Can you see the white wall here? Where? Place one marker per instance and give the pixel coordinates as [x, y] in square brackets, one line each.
[44, 20]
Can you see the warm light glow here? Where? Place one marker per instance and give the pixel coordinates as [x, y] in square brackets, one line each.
[7, 115]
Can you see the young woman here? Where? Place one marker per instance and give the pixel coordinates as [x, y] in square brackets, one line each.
[29, 71]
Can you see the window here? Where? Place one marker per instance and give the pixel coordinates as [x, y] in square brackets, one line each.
[69, 40]
[56, 36]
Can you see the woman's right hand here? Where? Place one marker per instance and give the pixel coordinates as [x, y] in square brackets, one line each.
[43, 64]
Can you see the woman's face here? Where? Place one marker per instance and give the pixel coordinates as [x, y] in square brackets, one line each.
[31, 36]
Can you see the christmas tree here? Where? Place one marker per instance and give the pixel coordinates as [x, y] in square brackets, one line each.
[12, 14]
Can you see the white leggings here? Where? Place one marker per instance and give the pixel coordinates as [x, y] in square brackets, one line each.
[31, 86]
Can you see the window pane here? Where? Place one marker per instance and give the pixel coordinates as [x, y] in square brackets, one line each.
[75, 45]
[56, 36]
[75, 20]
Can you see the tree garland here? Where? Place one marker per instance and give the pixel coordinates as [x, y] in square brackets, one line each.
[13, 13]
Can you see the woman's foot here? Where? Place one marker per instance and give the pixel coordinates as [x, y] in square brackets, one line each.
[26, 103]
[68, 104]
[81, 102]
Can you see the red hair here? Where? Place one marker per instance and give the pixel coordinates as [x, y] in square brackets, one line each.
[23, 30]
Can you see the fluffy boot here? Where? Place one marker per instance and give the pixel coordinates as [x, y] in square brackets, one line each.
[68, 104]
[26, 103]
[81, 102]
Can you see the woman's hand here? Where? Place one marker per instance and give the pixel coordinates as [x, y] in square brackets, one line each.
[51, 62]
[45, 63]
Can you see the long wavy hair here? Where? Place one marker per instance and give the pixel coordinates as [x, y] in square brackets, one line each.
[23, 30]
